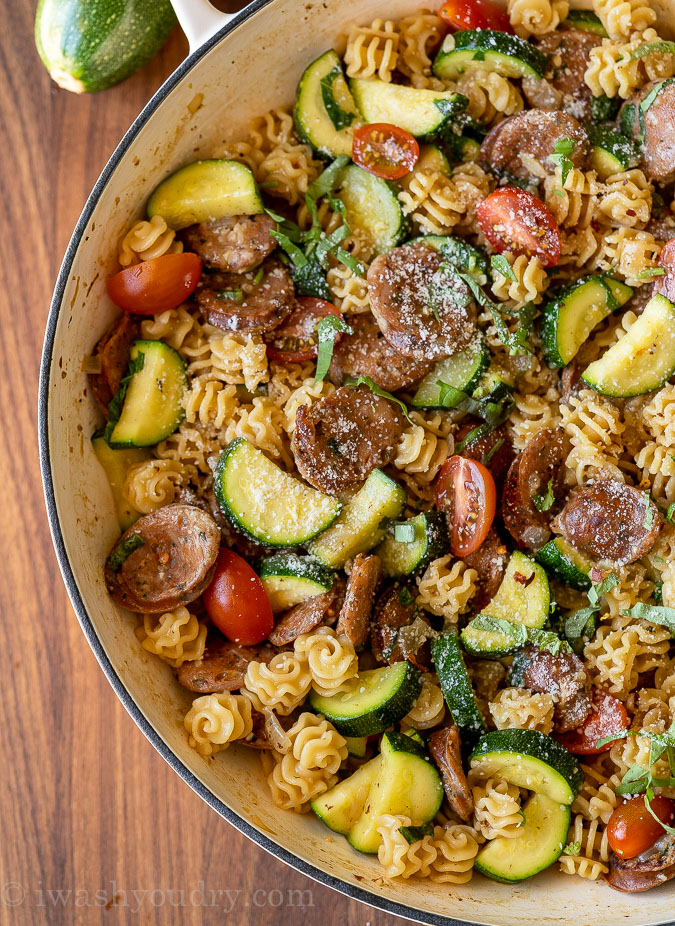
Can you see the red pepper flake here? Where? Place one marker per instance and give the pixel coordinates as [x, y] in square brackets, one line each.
[523, 580]
[631, 212]
[596, 575]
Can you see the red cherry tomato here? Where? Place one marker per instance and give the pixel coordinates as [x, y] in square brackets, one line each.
[475, 14]
[514, 220]
[156, 285]
[608, 716]
[236, 601]
[385, 150]
[632, 829]
[466, 490]
[296, 339]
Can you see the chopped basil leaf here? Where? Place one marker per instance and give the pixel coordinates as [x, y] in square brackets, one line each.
[289, 247]
[521, 635]
[651, 272]
[236, 295]
[367, 381]
[544, 501]
[652, 48]
[582, 622]
[654, 613]
[649, 511]
[328, 179]
[123, 550]
[501, 265]
[405, 597]
[572, 848]
[561, 156]
[327, 330]
[117, 401]
[310, 280]
[413, 834]
[486, 457]
[257, 279]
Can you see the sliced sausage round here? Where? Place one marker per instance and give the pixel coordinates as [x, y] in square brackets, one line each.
[236, 243]
[243, 302]
[445, 750]
[534, 132]
[651, 868]
[222, 667]
[368, 353]
[489, 561]
[563, 86]
[610, 521]
[308, 615]
[171, 562]
[423, 309]
[562, 675]
[665, 285]
[354, 619]
[540, 465]
[395, 608]
[657, 121]
[494, 448]
[113, 352]
[339, 440]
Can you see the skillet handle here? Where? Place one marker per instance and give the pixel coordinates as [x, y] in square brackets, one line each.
[199, 20]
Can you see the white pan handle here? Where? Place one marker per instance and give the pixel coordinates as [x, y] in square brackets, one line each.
[199, 20]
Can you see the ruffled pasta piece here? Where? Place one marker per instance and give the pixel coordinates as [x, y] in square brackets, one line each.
[350, 291]
[309, 768]
[274, 128]
[536, 17]
[613, 71]
[419, 38]
[446, 857]
[626, 199]
[429, 709]
[151, 484]
[281, 685]
[457, 848]
[420, 452]
[437, 203]
[262, 424]
[176, 636]
[657, 465]
[610, 659]
[661, 558]
[232, 358]
[578, 248]
[621, 18]
[498, 810]
[288, 171]
[530, 283]
[331, 660]
[629, 253]
[518, 708]
[532, 413]
[491, 96]
[372, 51]
[573, 203]
[591, 862]
[446, 588]
[594, 427]
[210, 402]
[659, 416]
[173, 326]
[189, 446]
[306, 394]
[216, 720]
[147, 240]
[633, 586]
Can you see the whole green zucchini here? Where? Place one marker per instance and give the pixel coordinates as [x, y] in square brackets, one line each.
[89, 45]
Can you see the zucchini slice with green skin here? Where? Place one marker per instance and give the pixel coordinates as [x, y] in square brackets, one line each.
[267, 503]
[456, 685]
[605, 109]
[463, 256]
[568, 320]
[357, 529]
[342, 806]
[488, 49]
[356, 746]
[644, 358]
[290, 579]
[205, 191]
[522, 598]
[432, 158]
[429, 540]
[422, 113]
[566, 564]
[151, 397]
[584, 19]
[313, 122]
[611, 152]
[116, 464]
[378, 699]
[463, 371]
[88, 46]
[372, 210]
[406, 783]
[529, 759]
[539, 843]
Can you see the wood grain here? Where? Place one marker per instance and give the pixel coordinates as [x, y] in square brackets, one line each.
[87, 807]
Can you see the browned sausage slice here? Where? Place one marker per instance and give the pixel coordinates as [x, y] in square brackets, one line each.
[113, 352]
[173, 564]
[368, 353]
[445, 748]
[652, 867]
[611, 522]
[354, 620]
[563, 676]
[489, 561]
[307, 616]
[236, 243]
[563, 85]
[494, 449]
[658, 143]
[222, 667]
[395, 609]
[424, 310]
[242, 302]
[535, 133]
[339, 440]
[665, 285]
[539, 465]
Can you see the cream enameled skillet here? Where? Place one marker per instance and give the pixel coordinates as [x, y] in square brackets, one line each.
[239, 67]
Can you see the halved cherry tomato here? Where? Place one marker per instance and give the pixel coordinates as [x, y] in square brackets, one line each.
[475, 14]
[632, 829]
[156, 285]
[608, 716]
[385, 150]
[236, 601]
[514, 220]
[296, 340]
[466, 490]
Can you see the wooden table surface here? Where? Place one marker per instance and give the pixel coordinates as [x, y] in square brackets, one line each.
[94, 826]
